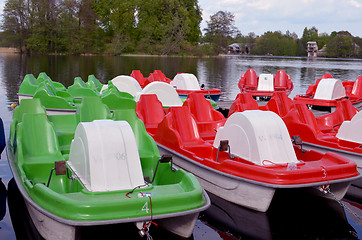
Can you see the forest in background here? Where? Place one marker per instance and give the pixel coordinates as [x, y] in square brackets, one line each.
[157, 27]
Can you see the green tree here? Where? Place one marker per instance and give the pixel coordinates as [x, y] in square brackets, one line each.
[16, 22]
[341, 45]
[275, 43]
[219, 30]
[167, 26]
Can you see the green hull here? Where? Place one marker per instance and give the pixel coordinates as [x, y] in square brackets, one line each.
[37, 141]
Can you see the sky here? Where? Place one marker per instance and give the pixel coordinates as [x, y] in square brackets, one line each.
[260, 16]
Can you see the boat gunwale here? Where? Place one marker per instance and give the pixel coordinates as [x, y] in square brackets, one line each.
[242, 179]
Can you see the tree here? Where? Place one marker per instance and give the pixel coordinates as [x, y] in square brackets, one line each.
[275, 43]
[16, 23]
[167, 26]
[220, 29]
[341, 45]
[310, 34]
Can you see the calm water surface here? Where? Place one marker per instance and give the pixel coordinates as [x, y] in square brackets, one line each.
[290, 217]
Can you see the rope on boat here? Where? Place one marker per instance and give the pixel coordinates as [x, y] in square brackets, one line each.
[325, 187]
[146, 226]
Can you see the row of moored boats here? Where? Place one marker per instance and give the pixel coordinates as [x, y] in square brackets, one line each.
[144, 150]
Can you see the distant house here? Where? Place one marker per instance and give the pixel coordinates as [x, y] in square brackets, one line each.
[234, 48]
[312, 49]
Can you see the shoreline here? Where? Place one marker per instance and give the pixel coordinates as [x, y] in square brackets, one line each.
[12, 50]
[9, 50]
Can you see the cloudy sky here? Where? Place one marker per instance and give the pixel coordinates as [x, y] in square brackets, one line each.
[259, 16]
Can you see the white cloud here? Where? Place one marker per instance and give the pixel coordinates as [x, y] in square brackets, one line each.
[356, 4]
[272, 15]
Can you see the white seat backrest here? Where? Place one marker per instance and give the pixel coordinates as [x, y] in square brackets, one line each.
[185, 81]
[257, 136]
[104, 156]
[266, 82]
[330, 89]
[351, 130]
[165, 93]
[127, 84]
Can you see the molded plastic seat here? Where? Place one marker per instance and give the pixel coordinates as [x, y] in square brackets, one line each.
[185, 124]
[136, 74]
[26, 106]
[306, 116]
[39, 143]
[357, 88]
[281, 80]
[29, 85]
[51, 100]
[249, 79]
[157, 76]
[208, 120]
[243, 101]
[280, 103]
[117, 100]
[92, 109]
[94, 83]
[149, 109]
[344, 112]
[80, 89]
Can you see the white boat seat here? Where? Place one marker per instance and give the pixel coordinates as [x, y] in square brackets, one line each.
[351, 130]
[104, 156]
[257, 136]
[330, 89]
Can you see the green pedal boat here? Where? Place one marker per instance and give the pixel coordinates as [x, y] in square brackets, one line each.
[96, 168]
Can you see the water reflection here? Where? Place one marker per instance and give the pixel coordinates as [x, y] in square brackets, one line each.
[291, 216]
[3, 194]
[220, 72]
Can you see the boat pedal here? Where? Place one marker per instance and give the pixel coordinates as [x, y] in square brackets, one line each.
[224, 146]
[60, 168]
[165, 158]
[298, 141]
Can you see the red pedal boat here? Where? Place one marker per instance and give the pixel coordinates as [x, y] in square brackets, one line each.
[184, 83]
[327, 91]
[244, 158]
[264, 85]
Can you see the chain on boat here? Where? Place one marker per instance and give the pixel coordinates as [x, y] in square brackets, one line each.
[327, 190]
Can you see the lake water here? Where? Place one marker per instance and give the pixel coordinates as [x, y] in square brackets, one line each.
[291, 216]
